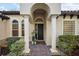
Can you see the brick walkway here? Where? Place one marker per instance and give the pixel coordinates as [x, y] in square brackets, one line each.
[40, 50]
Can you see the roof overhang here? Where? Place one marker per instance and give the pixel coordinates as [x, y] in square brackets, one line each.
[69, 12]
[4, 17]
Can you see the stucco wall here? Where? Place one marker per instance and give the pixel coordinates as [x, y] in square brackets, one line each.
[19, 18]
[31, 30]
[59, 25]
[74, 18]
[0, 29]
[6, 27]
[55, 8]
[78, 26]
[3, 29]
[48, 32]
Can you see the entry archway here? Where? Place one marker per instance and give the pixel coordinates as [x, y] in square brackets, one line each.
[40, 12]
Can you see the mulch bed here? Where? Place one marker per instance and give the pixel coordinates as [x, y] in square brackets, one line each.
[4, 51]
[74, 53]
[3, 47]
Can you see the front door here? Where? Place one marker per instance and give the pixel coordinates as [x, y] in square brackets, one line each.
[39, 31]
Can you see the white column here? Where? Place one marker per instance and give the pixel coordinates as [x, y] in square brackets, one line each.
[26, 33]
[53, 33]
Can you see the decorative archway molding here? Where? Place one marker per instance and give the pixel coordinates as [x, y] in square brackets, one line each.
[40, 6]
[39, 18]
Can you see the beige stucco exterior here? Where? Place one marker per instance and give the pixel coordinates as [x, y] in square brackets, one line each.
[50, 8]
[27, 8]
[52, 20]
[6, 26]
[4, 29]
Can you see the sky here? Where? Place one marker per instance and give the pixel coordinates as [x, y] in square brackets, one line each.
[9, 6]
[16, 7]
[70, 6]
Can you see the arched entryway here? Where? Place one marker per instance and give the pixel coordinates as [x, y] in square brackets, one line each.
[40, 12]
[46, 11]
[39, 29]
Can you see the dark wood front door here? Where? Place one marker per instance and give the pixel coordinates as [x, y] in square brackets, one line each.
[39, 29]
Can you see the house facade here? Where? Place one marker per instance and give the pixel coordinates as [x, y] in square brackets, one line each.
[46, 19]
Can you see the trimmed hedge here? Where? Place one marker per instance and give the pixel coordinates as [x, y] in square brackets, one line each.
[68, 43]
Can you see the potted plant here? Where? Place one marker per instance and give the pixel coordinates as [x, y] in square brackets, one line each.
[33, 37]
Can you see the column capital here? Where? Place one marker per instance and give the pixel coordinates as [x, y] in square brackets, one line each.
[53, 16]
[25, 16]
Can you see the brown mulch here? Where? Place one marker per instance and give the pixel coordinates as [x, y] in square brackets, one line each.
[3, 47]
[76, 52]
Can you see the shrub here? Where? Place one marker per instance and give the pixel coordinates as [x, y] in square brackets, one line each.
[17, 48]
[67, 43]
[11, 40]
[5, 44]
[77, 38]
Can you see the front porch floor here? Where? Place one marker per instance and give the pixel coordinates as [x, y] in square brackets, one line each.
[40, 50]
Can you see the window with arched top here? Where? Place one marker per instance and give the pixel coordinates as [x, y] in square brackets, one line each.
[22, 27]
[14, 28]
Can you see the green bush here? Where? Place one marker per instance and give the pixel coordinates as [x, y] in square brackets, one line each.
[11, 40]
[17, 48]
[77, 38]
[67, 43]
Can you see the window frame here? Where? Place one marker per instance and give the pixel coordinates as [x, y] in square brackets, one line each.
[15, 29]
[73, 29]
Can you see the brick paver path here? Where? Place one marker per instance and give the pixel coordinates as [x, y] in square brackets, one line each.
[40, 50]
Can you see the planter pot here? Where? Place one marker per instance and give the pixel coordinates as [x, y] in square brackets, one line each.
[33, 43]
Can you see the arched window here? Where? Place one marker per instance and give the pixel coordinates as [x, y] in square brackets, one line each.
[22, 27]
[14, 28]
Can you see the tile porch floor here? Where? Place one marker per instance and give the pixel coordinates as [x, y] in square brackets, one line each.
[40, 50]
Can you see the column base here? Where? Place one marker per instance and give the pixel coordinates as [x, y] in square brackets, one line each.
[26, 51]
[54, 52]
